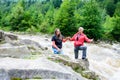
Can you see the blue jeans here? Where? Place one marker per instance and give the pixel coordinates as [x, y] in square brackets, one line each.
[56, 51]
[76, 50]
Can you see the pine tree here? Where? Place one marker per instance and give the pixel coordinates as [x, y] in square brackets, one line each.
[92, 19]
[116, 22]
[65, 18]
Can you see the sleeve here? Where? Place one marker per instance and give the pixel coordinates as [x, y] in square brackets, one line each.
[87, 39]
[73, 38]
[64, 39]
[53, 38]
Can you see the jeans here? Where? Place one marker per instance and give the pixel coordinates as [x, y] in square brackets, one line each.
[76, 50]
[56, 51]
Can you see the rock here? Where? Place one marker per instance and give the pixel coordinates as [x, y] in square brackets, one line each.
[46, 39]
[84, 65]
[4, 75]
[40, 68]
[118, 50]
[90, 75]
[2, 36]
[31, 43]
[80, 66]
[11, 36]
[5, 35]
[6, 45]
[14, 51]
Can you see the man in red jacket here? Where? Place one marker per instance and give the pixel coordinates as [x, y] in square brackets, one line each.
[79, 39]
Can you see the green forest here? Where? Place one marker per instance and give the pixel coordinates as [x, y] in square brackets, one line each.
[100, 18]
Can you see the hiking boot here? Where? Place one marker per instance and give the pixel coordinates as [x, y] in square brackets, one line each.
[85, 59]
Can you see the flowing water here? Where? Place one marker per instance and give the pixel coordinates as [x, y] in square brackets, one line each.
[105, 61]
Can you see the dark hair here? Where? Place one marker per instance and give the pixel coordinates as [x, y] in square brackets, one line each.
[55, 32]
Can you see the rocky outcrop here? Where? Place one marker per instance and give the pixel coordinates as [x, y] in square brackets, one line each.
[80, 66]
[12, 46]
[40, 68]
[14, 51]
[44, 66]
[4, 36]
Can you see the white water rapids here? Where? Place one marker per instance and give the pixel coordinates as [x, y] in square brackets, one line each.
[105, 61]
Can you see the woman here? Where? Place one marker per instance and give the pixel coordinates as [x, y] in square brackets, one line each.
[57, 40]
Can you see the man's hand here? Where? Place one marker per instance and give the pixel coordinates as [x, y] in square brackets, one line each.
[91, 40]
[68, 38]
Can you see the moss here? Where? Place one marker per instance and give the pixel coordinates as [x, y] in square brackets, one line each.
[2, 42]
[14, 78]
[53, 78]
[31, 47]
[56, 60]
[37, 77]
[35, 53]
[32, 57]
[76, 67]
[92, 77]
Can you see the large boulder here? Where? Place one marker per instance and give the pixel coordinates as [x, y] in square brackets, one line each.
[41, 68]
[31, 43]
[11, 36]
[14, 51]
[5, 36]
[80, 66]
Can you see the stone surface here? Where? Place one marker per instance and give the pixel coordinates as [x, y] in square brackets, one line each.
[66, 68]
[4, 75]
[11, 36]
[80, 66]
[14, 51]
[41, 67]
[1, 35]
[31, 43]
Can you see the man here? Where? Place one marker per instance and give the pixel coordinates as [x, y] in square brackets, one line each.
[79, 39]
[57, 40]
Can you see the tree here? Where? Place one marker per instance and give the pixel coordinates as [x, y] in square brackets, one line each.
[116, 22]
[48, 20]
[65, 18]
[20, 19]
[92, 19]
[110, 7]
[56, 3]
[0, 17]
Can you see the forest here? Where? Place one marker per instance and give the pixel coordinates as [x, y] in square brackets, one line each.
[100, 18]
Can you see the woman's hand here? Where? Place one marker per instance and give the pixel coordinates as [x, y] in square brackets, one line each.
[59, 49]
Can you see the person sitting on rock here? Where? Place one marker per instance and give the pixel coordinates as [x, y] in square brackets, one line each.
[57, 40]
[79, 39]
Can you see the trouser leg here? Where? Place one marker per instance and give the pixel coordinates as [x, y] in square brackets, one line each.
[83, 48]
[76, 52]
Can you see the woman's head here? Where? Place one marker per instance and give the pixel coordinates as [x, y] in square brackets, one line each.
[57, 32]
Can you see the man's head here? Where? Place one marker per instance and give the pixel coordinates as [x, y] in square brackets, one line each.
[80, 30]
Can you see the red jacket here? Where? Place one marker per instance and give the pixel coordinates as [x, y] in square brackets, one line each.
[81, 38]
